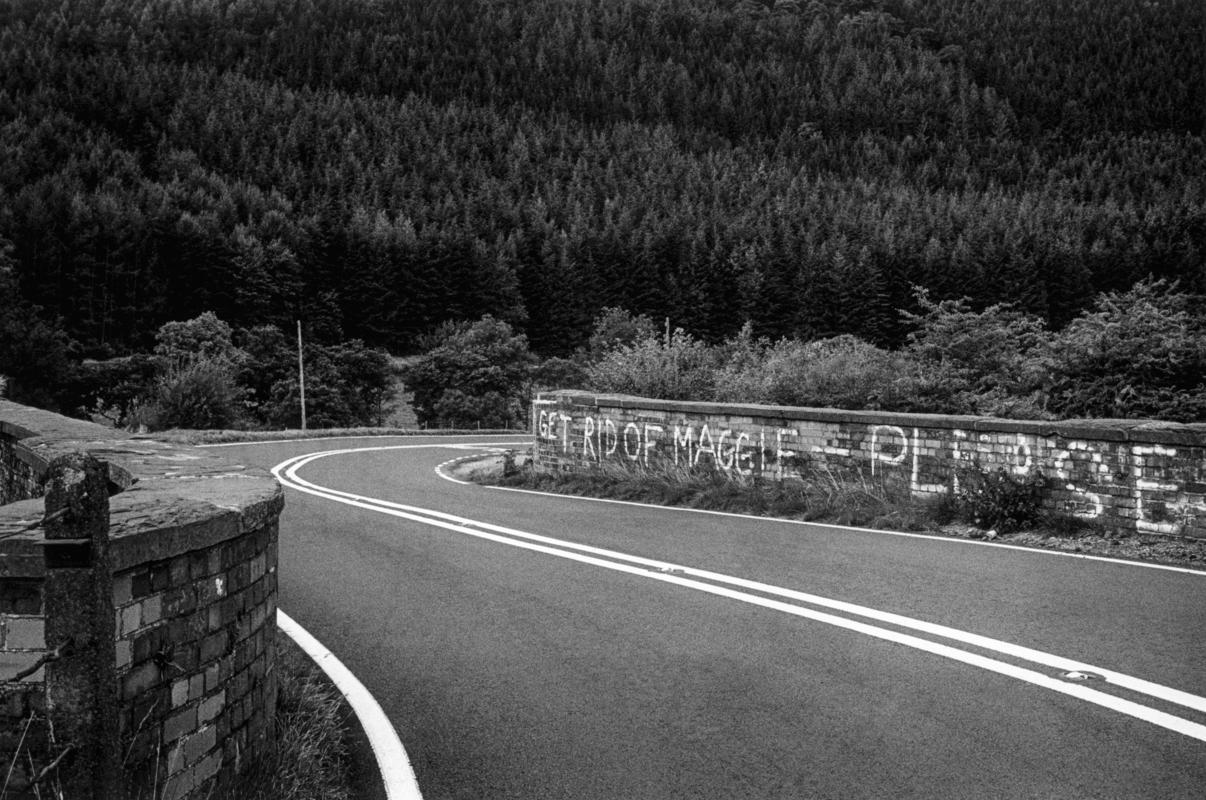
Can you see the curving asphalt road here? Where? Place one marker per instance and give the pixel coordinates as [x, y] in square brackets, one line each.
[637, 652]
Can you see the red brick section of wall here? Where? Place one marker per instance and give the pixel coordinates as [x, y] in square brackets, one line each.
[1125, 475]
[192, 552]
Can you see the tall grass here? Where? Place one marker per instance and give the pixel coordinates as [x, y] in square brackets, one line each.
[311, 760]
[820, 493]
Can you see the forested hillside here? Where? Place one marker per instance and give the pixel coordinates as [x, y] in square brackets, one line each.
[377, 167]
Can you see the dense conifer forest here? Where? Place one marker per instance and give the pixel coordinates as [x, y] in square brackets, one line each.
[377, 167]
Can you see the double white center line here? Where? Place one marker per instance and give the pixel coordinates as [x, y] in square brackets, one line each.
[1062, 675]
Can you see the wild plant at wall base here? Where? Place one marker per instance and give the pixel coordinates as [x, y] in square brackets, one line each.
[997, 500]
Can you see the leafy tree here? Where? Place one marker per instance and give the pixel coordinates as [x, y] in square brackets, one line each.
[474, 374]
[367, 380]
[113, 388]
[203, 338]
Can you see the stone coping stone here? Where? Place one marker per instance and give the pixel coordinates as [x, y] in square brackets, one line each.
[167, 499]
[1110, 430]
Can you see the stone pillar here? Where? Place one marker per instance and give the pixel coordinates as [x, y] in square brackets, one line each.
[81, 696]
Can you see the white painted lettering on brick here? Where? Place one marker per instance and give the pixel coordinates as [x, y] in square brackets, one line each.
[650, 442]
[877, 455]
[1144, 485]
[742, 455]
[782, 454]
[588, 444]
[701, 448]
[915, 484]
[634, 451]
[566, 419]
[613, 438]
[683, 441]
[725, 461]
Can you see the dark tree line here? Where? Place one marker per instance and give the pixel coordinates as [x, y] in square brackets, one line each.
[377, 168]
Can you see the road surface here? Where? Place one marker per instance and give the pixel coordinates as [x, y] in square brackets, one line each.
[528, 646]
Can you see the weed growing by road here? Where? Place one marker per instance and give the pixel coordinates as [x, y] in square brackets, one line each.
[819, 494]
[997, 500]
[848, 498]
[311, 761]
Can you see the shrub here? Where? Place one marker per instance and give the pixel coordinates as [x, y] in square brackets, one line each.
[997, 500]
[840, 372]
[200, 393]
[1139, 353]
[682, 368]
[990, 362]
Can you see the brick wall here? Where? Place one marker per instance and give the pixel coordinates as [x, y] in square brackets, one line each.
[195, 635]
[1126, 475]
[192, 563]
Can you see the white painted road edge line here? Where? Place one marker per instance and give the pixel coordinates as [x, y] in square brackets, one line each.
[1122, 680]
[392, 761]
[1120, 705]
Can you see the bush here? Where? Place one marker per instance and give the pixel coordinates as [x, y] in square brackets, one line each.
[841, 372]
[682, 368]
[1137, 354]
[990, 362]
[1000, 501]
[200, 393]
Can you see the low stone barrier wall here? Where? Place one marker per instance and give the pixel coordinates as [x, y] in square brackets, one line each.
[177, 592]
[1126, 475]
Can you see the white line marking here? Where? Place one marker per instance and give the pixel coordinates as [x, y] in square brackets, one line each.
[976, 640]
[879, 531]
[670, 573]
[394, 764]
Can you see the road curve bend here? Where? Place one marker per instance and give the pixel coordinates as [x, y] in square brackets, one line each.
[531, 646]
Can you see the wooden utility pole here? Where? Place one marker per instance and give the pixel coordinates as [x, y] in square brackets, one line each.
[301, 375]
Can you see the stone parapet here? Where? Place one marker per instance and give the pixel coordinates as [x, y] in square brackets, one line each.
[1128, 476]
[191, 559]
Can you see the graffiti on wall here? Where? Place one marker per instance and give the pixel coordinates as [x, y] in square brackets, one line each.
[1147, 483]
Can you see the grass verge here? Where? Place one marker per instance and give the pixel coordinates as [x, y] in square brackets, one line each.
[832, 497]
[826, 495]
[312, 759]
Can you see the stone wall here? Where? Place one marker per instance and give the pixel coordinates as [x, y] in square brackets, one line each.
[1125, 475]
[191, 562]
